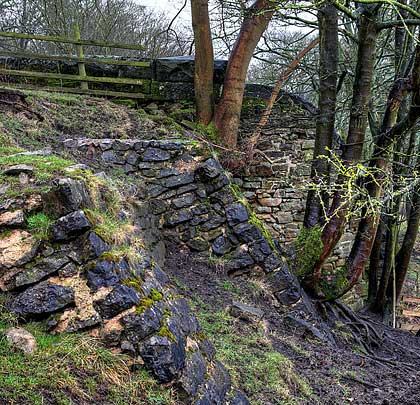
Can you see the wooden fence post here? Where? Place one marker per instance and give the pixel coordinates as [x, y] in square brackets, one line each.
[81, 65]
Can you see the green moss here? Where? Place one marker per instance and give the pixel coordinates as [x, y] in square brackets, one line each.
[332, 284]
[308, 247]
[209, 131]
[5, 234]
[253, 219]
[165, 332]
[155, 295]
[135, 282]
[39, 225]
[148, 301]
[110, 256]
[144, 303]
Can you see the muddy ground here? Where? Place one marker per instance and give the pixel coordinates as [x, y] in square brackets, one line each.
[340, 374]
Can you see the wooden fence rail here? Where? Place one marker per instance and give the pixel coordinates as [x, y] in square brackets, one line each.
[82, 77]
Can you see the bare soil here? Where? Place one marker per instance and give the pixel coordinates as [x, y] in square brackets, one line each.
[340, 374]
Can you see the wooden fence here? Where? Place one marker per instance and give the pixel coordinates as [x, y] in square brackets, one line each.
[85, 81]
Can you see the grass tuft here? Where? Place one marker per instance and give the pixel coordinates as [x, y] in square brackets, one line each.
[39, 225]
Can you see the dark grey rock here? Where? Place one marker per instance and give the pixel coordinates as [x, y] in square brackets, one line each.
[305, 328]
[181, 314]
[214, 222]
[167, 172]
[93, 247]
[178, 217]
[240, 260]
[157, 206]
[155, 155]
[43, 298]
[289, 296]
[198, 244]
[193, 373]
[138, 327]
[186, 189]
[102, 274]
[247, 232]
[155, 190]
[109, 156]
[237, 398]
[217, 385]
[245, 312]
[186, 200]
[282, 280]
[46, 267]
[132, 158]
[70, 226]
[177, 181]
[119, 299]
[209, 169]
[236, 213]
[18, 169]
[216, 184]
[224, 197]
[122, 145]
[260, 250]
[163, 357]
[271, 263]
[206, 348]
[69, 270]
[72, 194]
[220, 246]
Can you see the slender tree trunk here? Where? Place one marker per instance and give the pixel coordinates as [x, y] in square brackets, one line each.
[403, 257]
[375, 261]
[204, 61]
[328, 73]
[228, 111]
[388, 263]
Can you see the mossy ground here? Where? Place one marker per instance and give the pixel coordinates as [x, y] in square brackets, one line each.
[72, 369]
[46, 169]
[254, 364]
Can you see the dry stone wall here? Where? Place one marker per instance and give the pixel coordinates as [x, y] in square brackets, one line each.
[197, 208]
[275, 183]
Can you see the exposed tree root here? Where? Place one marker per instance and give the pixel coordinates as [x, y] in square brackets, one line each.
[366, 335]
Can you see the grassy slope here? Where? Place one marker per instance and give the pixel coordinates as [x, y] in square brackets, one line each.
[73, 116]
[72, 369]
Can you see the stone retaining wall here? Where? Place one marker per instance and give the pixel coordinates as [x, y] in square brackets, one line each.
[275, 183]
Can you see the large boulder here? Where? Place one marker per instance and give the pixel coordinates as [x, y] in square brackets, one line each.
[70, 226]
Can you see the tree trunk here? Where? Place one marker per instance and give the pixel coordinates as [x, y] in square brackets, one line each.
[352, 150]
[403, 257]
[204, 61]
[375, 261]
[390, 133]
[328, 73]
[228, 111]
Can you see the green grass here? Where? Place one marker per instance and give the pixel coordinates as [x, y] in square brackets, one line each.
[39, 225]
[46, 168]
[72, 369]
[255, 366]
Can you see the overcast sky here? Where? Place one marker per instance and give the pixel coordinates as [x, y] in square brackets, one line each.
[169, 7]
